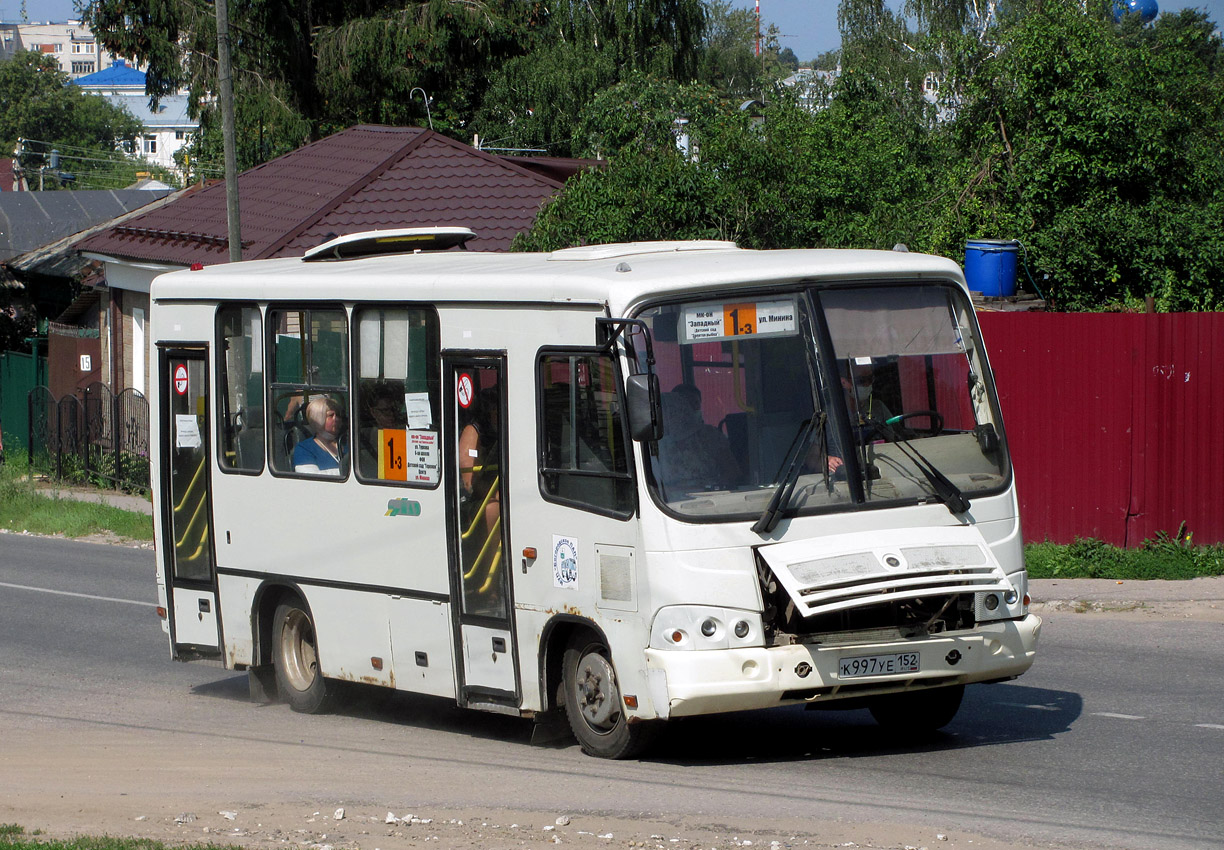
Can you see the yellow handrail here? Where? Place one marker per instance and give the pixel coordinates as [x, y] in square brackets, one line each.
[200, 548]
[736, 381]
[494, 536]
[191, 524]
[476, 517]
[195, 479]
[493, 567]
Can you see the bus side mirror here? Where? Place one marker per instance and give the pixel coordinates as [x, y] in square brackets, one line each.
[645, 411]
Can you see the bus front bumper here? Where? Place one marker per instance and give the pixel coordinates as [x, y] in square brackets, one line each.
[710, 681]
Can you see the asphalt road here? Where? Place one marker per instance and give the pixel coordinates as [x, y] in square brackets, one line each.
[1114, 739]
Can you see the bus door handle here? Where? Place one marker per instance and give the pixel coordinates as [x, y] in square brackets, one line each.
[499, 644]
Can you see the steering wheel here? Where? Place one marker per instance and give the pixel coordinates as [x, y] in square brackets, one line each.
[934, 429]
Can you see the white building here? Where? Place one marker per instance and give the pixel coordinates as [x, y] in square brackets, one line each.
[815, 89]
[72, 44]
[166, 130]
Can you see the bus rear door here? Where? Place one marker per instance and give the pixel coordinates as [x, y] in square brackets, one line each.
[191, 579]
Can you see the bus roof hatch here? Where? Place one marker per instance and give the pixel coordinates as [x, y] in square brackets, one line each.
[408, 240]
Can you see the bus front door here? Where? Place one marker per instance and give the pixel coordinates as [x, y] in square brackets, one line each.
[478, 528]
[191, 580]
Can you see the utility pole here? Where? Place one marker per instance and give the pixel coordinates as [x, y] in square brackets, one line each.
[226, 93]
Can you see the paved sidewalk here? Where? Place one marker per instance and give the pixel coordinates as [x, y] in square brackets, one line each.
[137, 504]
[1200, 599]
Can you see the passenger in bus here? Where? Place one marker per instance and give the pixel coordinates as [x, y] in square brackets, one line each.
[383, 406]
[693, 456]
[478, 470]
[321, 454]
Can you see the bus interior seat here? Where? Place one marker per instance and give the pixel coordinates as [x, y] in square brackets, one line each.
[735, 426]
[249, 447]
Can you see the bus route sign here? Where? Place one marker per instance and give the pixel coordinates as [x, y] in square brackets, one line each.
[711, 322]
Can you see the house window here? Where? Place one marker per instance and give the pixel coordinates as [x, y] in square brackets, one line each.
[180, 134]
[82, 67]
[82, 47]
[150, 144]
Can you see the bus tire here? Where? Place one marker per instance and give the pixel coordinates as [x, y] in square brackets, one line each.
[918, 711]
[594, 706]
[296, 659]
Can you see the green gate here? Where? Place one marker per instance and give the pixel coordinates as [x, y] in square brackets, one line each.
[19, 373]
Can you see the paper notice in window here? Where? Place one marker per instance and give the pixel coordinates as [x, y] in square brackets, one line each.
[187, 432]
[423, 465]
[419, 415]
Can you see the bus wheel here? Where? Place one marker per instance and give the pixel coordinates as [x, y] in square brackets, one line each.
[296, 659]
[593, 703]
[918, 711]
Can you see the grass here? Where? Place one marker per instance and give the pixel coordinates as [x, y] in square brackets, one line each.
[1166, 557]
[24, 508]
[13, 837]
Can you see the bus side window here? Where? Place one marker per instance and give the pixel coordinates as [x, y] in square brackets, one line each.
[308, 384]
[584, 451]
[240, 425]
[397, 395]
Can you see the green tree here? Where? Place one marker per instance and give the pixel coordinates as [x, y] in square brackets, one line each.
[647, 112]
[578, 48]
[848, 176]
[1098, 146]
[38, 103]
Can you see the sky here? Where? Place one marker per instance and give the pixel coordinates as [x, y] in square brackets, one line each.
[808, 27]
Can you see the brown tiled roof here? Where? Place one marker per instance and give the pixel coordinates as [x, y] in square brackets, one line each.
[363, 178]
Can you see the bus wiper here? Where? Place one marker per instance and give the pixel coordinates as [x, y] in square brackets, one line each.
[794, 462]
[947, 492]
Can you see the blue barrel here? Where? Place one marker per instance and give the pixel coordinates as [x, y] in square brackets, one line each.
[990, 266]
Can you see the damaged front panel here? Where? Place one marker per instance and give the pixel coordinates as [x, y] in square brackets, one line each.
[916, 581]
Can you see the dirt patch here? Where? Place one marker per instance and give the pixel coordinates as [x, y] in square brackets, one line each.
[364, 827]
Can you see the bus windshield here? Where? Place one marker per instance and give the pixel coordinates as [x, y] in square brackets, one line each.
[842, 397]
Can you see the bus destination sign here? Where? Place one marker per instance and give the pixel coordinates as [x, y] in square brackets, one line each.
[712, 322]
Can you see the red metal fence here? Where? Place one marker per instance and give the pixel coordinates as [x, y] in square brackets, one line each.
[1115, 422]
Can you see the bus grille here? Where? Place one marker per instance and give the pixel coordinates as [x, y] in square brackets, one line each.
[872, 590]
[903, 568]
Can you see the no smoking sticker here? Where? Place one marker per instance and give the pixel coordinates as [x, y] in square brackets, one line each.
[463, 390]
[180, 379]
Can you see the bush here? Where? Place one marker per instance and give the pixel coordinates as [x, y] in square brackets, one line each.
[1163, 558]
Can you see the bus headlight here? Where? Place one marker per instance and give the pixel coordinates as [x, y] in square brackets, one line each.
[691, 627]
[1005, 605]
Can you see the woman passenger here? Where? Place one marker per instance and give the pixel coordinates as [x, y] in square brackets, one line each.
[321, 454]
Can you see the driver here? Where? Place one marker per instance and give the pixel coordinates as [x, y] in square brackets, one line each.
[861, 401]
[858, 384]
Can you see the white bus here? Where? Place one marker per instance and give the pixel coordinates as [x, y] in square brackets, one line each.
[619, 483]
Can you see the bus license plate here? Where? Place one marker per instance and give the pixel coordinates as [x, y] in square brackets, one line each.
[878, 665]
